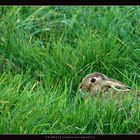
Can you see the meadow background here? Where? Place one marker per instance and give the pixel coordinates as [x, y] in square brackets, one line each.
[44, 54]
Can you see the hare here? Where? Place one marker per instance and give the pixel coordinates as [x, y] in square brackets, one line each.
[96, 83]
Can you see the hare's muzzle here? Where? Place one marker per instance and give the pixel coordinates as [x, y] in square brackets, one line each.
[83, 89]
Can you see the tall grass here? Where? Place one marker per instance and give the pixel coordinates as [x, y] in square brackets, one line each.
[46, 51]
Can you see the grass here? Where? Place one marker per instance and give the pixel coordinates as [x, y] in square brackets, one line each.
[46, 51]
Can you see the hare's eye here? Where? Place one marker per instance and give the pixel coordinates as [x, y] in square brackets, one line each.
[93, 80]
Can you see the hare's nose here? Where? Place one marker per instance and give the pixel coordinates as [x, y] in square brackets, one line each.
[80, 86]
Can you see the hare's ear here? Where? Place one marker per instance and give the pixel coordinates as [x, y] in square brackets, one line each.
[112, 83]
[122, 88]
[116, 85]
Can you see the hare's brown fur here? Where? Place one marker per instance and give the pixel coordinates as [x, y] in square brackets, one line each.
[96, 82]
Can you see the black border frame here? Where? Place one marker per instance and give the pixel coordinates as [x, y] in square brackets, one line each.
[69, 2]
[69, 136]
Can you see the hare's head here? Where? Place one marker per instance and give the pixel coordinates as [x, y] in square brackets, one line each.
[92, 82]
[98, 82]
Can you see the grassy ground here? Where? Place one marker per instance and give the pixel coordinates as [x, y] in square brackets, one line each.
[44, 54]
